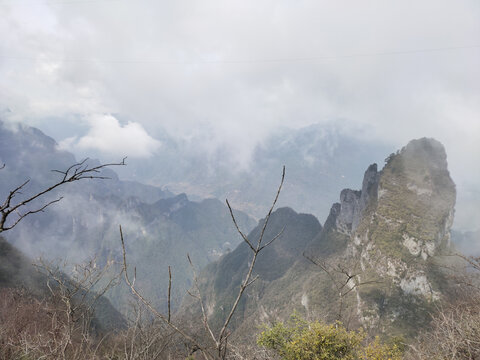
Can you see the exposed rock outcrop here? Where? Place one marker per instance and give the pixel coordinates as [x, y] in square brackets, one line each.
[398, 225]
[353, 203]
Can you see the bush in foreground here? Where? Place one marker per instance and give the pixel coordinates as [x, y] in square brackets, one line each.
[302, 340]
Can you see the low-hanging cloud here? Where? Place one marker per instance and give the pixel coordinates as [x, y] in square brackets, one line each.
[107, 136]
[228, 74]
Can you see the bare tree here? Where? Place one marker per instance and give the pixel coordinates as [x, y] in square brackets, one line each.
[80, 287]
[344, 279]
[13, 211]
[58, 326]
[454, 333]
[454, 330]
[70, 307]
[219, 338]
[145, 339]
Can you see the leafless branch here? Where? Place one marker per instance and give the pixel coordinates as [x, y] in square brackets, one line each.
[252, 281]
[169, 294]
[343, 279]
[473, 262]
[74, 296]
[321, 265]
[244, 237]
[21, 216]
[204, 313]
[192, 295]
[75, 172]
[256, 250]
[273, 239]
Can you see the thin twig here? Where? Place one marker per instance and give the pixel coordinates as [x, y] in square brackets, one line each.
[204, 313]
[273, 239]
[238, 228]
[169, 292]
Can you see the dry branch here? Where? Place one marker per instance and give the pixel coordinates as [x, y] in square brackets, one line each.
[222, 337]
[343, 279]
[75, 172]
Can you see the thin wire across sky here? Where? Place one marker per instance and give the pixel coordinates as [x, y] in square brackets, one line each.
[241, 61]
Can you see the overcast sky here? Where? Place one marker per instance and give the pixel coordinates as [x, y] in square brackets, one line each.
[91, 73]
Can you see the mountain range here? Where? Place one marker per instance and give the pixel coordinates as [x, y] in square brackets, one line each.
[160, 229]
[376, 261]
[320, 161]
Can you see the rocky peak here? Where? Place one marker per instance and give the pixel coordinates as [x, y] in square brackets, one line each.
[401, 217]
[406, 219]
[416, 188]
[409, 203]
[348, 212]
[427, 150]
[393, 227]
[369, 187]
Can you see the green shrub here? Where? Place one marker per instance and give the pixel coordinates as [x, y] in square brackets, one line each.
[302, 340]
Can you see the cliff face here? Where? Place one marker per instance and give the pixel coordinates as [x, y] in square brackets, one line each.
[414, 199]
[398, 226]
[374, 263]
[353, 203]
[404, 211]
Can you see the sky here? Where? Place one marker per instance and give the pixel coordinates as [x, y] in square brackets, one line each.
[113, 75]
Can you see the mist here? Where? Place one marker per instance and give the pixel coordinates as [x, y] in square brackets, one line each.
[217, 82]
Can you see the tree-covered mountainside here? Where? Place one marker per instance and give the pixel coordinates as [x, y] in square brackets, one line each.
[374, 263]
[160, 229]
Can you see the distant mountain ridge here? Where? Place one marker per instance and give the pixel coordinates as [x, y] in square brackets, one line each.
[30, 154]
[160, 228]
[319, 159]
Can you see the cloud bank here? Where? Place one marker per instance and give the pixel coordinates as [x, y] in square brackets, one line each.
[232, 72]
[106, 135]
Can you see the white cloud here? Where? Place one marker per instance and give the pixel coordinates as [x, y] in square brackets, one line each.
[145, 61]
[106, 135]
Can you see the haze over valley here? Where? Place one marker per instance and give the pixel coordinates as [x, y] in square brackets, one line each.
[239, 180]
